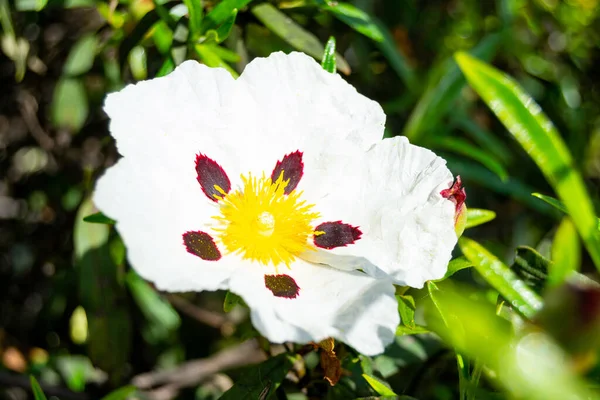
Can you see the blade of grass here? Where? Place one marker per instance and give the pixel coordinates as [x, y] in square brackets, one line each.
[287, 29]
[501, 278]
[524, 119]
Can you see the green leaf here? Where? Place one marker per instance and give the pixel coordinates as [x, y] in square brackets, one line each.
[69, 104]
[222, 12]
[531, 267]
[355, 18]
[478, 216]
[211, 55]
[552, 201]
[81, 57]
[379, 386]
[30, 5]
[328, 63]
[195, 12]
[260, 381]
[524, 119]
[99, 218]
[501, 278]
[403, 330]
[138, 63]
[566, 253]
[444, 86]
[406, 308]
[162, 317]
[456, 265]
[121, 394]
[483, 137]
[224, 30]
[38, 393]
[528, 365]
[462, 147]
[231, 300]
[294, 34]
[133, 38]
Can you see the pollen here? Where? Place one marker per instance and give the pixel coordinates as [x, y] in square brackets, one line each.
[262, 223]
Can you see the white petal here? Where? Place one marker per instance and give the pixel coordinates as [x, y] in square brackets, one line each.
[153, 209]
[165, 122]
[349, 306]
[299, 106]
[392, 195]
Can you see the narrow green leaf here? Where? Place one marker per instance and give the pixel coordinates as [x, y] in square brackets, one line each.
[552, 201]
[294, 34]
[406, 308]
[478, 216]
[403, 330]
[379, 386]
[501, 278]
[222, 12]
[162, 317]
[133, 38]
[462, 147]
[195, 13]
[524, 119]
[138, 63]
[211, 56]
[123, 393]
[531, 267]
[443, 88]
[99, 218]
[38, 393]
[224, 30]
[486, 139]
[566, 253]
[231, 300]
[328, 63]
[81, 57]
[355, 18]
[456, 265]
[69, 105]
[260, 381]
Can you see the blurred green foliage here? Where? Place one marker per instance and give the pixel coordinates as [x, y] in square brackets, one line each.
[521, 324]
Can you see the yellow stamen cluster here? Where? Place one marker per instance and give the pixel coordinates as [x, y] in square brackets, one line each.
[261, 223]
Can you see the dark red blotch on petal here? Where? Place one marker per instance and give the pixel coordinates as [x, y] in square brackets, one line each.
[282, 286]
[336, 234]
[292, 167]
[210, 174]
[456, 193]
[201, 244]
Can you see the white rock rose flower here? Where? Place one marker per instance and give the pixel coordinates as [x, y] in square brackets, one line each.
[278, 187]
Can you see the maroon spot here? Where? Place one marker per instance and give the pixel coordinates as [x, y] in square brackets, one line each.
[292, 168]
[456, 193]
[329, 235]
[282, 286]
[201, 244]
[211, 174]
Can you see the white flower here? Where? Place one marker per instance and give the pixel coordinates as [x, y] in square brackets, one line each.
[278, 187]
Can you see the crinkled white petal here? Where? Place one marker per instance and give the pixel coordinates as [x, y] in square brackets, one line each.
[154, 208]
[393, 195]
[347, 305]
[300, 106]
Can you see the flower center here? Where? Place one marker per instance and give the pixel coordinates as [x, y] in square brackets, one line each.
[262, 223]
